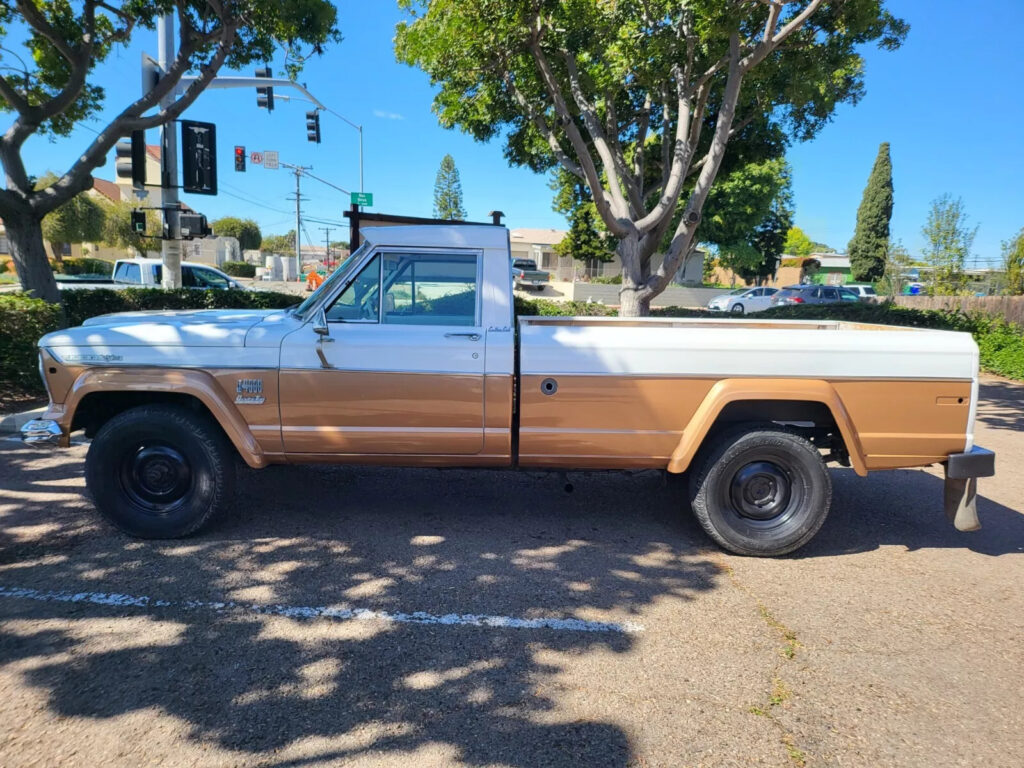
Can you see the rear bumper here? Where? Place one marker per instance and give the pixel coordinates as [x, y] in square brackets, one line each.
[961, 487]
[44, 432]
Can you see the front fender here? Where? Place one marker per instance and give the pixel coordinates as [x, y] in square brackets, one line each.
[734, 390]
[198, 384]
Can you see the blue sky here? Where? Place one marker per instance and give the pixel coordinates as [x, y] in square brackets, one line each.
[951, 103]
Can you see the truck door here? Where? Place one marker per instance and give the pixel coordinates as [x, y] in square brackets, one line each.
[402, 371]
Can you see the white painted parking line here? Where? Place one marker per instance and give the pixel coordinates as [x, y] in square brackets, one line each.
[339, 613]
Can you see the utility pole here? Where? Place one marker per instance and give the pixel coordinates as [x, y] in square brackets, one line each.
[327, 245]
[170, 246]
[298, 169]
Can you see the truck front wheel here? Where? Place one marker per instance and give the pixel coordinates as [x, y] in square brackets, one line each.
[760, 490]
[159, 471]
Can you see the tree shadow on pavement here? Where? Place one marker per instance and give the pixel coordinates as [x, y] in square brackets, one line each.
[291, 692]
[905, 507]
[1001, 405]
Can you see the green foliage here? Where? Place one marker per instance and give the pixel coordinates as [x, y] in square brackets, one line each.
[246, 231]
[1013, 264]
[119, 233]
[583, 241]
[949, 239]
[897, 262]
[79, 220]
[798, 243]
[280, 244]
[448, 192]
[22, 321]
[83, 266]
[867, 249]
[81, 305]
[548, 308]
[238, 269]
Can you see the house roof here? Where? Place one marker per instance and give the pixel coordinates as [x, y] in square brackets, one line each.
[537, 236]
[153, 150]
[108, 189]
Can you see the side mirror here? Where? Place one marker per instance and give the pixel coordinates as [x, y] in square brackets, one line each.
[320, 326]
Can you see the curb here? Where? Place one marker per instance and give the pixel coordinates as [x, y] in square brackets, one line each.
[11, 423]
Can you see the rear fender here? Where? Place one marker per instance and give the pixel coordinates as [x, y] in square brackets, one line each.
[733, 390]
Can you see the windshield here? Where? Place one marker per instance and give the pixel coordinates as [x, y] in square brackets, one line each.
[331, 281]
[738, 292]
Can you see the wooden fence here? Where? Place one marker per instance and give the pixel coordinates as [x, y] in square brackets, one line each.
[1009, 307]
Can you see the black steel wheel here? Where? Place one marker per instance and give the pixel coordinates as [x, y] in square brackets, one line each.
[160, 471]
[760, 490]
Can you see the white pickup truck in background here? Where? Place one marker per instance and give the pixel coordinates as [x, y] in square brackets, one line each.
[147, 273]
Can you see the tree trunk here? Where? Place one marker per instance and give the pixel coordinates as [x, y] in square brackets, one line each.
[632, 301]
[58, 251]
[25, 234]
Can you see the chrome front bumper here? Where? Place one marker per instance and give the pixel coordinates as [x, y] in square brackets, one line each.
[42, 432]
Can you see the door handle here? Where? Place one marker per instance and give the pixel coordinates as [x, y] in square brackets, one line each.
[470, 336]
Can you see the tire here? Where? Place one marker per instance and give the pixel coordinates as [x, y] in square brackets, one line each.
[737, 309]
[760, 490]
[160, 471]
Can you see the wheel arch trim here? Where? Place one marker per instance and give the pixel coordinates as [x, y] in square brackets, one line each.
[178, 381]
[735, 390]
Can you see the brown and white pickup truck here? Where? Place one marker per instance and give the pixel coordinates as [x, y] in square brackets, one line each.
[409, 354]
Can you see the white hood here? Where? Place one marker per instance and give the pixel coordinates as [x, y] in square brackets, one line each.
[198, 337]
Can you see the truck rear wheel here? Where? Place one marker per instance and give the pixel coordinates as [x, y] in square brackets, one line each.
[159, 471]
[760, 490]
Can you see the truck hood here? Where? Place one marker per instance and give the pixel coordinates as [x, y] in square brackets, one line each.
[193, 328]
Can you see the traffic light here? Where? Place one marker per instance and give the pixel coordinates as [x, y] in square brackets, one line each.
[130, 162]
[239, 158]
[139, 222]
[265, 95]
[193, 225]
[313, 126]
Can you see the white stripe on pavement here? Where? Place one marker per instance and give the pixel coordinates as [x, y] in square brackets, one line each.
[322, 612]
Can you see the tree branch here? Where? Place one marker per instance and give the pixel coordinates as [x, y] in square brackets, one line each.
[545, 130]
[772, 39]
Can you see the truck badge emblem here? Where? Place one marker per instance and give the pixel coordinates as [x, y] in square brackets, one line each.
[249, 392]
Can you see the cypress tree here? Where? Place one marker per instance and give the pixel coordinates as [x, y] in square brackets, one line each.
[448, 192]
[867, 250]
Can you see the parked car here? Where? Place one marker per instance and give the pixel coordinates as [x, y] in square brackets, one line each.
[147, 273]
[410, 354]
[743, 300]
[865, 292]
[525, 275]
[813, 294]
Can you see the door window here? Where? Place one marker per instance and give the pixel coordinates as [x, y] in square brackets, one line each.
[359, 303]
[206, 278]
[831, 294]
[429, 289]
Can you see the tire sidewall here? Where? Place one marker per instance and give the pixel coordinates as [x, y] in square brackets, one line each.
[178, 428]
[810, 495]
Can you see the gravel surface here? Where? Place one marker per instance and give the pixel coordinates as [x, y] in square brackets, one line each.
[890, 640]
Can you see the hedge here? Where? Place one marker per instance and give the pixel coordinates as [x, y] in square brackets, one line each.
[238, 269]
[83, 266]
[81, 305]
[22, 321]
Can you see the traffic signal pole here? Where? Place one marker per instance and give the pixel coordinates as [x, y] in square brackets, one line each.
[170, 248]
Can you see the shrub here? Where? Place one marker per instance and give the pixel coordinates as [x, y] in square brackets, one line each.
[548, 308]
[22, 321]
[83, 266]
[238, 269]
[79, 306]
[607, 279]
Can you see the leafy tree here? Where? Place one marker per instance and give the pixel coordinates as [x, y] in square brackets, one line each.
[640, 100]
[79, 220]
[448, 192]
[282, 244]
[1013, 264]
[949, 239]
[587, 240]
[246, 231]
[339, 245]
[798, 243]
[897, 262]
[119, 233]
[769, 237]
[66, 41]
[871, 237]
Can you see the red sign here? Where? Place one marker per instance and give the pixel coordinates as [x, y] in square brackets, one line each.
[256, 158]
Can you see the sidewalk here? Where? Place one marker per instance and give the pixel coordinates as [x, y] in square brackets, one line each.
[11, 423]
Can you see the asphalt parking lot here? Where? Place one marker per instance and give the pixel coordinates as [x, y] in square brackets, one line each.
[384, 617]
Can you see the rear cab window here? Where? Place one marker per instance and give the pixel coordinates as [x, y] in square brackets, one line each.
[128, 272]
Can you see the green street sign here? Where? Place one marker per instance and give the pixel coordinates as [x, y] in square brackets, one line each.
[362, 198]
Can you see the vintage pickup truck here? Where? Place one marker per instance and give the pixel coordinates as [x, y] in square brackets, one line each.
[409, 354]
